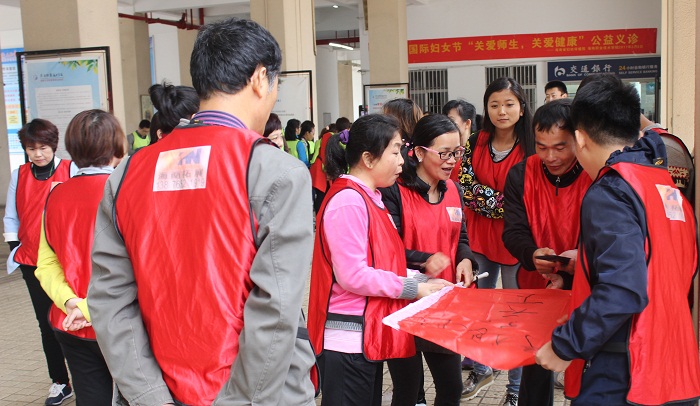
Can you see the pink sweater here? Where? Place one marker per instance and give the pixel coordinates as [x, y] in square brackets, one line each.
[345, 229]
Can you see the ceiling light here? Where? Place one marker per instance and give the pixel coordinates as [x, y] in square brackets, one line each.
[333, 44]
[335, 6]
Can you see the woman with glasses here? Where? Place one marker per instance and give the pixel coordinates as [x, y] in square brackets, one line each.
[427, 209]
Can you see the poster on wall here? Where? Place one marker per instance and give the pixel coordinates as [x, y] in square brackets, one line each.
[377, 95]
[10, 78]
[56, 85]
[294, 98]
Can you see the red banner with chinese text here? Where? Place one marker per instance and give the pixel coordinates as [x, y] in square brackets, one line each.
[553, 44]
[501, 328]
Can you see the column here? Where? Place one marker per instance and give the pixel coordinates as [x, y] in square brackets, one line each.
[136, 65]
[185, 44]
[388, 45]
[62, 24]
[291, 22]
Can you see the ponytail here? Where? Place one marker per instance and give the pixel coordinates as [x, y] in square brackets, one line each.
[336, 162]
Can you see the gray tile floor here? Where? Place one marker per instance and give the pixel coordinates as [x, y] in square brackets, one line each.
[24, 379]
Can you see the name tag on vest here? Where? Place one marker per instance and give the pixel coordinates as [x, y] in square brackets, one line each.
[455, 214]
[182, 169]
[673, 202]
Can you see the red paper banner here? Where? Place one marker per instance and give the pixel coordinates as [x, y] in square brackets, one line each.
[501, 328]
[552, 44]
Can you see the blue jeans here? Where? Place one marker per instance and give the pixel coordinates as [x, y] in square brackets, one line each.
[509, 281]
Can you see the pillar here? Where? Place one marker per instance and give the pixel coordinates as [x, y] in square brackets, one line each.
[185, 44]
[62, 24]
[4, 149]
[388, 45]
[136, 65]
[292, 23]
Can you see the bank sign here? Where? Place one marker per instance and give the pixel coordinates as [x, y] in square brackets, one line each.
[628, 68]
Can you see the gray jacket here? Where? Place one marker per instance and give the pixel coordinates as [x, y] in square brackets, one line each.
[272, 366]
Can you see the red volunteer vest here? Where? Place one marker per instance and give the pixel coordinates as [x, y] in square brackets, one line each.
[385, 251]
[183, 211]
[456, 171]
[433, 227]
[69, 226]
[662, 342]
[554, 215]
[30, 199]
[485, 233]
[318, 175]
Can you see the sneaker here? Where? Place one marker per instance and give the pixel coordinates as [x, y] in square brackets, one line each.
[475, 383]
[421, 402]
[58, 392]
[467, 364]
[559, 380]
[511, 399]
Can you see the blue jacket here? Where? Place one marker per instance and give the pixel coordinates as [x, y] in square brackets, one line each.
[613, 232]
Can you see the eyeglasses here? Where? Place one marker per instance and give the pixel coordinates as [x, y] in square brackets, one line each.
[446, 155]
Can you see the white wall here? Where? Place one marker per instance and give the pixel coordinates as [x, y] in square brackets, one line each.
[167, 53]
[466, 18]
[327, 82]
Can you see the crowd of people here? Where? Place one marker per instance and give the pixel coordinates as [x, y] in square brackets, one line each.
[178, 275]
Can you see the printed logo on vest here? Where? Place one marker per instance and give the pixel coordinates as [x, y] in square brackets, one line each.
[673, 202]
[182, 169]
[455, 214]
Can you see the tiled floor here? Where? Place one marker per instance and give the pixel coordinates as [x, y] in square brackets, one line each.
[24, 379]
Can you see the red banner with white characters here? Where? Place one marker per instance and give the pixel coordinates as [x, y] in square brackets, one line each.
[552, 45]
[502, 328]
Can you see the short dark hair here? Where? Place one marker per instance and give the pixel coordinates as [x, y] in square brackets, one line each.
[173, 103]
[427, 129]
[607, 109]
[407, 112]
[290, 130]
[273, 124]
[307, 126]
[555, 113]
[371, 133]
[144, 124]
[523, 128]
[227, 53]
[556, 84]
[342, 123]
[38, 131]
[93, 138]
[466, 110]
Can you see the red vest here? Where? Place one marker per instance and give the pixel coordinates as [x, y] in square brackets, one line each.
[662, 342]
[69, 226]
[318, 175]
[384, 251]
[485, 233]
[30, 199]
[456, 171]
[183, 211]
[553, 214]
[433, 227]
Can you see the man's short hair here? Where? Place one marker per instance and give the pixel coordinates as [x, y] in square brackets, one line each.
[556, 84]
[607, 110]
[556, 113]
[144, 124]
[342, 123]
[227, 53]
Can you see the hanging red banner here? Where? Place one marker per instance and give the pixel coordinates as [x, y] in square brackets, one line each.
[552, 44]
[501, 328]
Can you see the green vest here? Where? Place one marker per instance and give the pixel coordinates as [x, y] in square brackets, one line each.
[140, 142]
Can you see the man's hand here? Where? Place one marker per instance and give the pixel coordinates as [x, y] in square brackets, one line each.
[569, 268]
[465, 272]
[436, 264]
[556, 281]
[549, 360]
[541, 265]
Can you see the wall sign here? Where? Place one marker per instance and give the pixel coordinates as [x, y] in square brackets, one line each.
[627, 68]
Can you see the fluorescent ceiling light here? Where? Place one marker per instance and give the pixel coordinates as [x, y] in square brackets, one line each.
[333, 44]
[335, 6]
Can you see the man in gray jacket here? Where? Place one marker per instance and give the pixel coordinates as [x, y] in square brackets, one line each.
[203, 243]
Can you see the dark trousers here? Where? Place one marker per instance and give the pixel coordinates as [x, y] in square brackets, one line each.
[536, 387]
[42, 303]
[92, 381]
[407, 378]
[318, 199]
[350, 380]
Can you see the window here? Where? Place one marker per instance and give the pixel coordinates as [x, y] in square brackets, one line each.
[428, 88]
[523, 74]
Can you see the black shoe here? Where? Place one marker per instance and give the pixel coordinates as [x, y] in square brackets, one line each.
[511, 399]
[58, 392]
